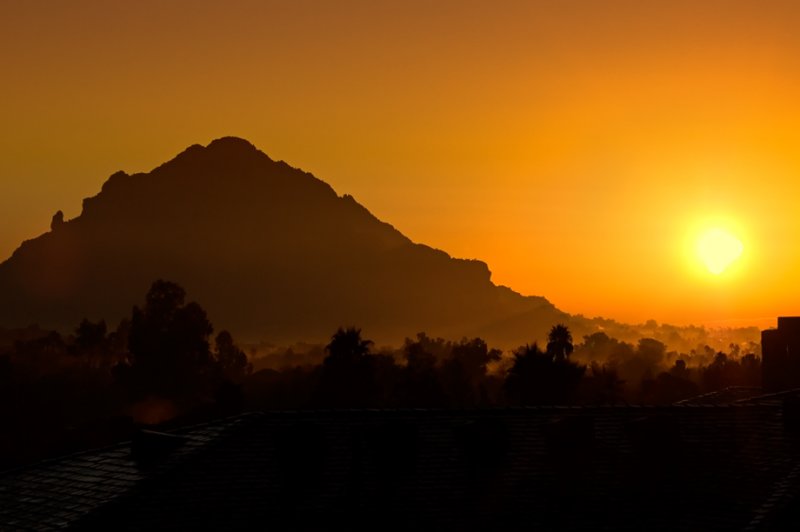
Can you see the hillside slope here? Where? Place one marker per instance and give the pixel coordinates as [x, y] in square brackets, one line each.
[269, 250]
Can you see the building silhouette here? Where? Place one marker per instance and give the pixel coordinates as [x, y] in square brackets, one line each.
[780, 354]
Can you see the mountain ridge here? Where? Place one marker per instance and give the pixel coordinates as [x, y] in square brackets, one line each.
[243, 232]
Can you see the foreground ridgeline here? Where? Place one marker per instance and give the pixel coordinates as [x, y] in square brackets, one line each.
[164, 364]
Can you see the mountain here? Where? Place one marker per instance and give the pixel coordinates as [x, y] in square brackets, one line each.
[269, 250]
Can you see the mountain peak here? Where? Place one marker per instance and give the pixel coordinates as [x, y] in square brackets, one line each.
[232, 145]
[234, 153]
[271, 251]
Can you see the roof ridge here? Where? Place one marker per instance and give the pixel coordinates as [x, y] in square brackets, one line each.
[773, 395]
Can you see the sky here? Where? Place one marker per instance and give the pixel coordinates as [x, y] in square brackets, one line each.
[581, 148]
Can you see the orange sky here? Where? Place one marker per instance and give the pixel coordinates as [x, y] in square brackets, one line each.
[578, 147]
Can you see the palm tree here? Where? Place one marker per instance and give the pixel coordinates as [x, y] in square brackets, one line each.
[347, 346]
[347, 379]
[539, 378]
[559, 342]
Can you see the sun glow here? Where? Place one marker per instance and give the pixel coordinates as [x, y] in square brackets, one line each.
[718, 249]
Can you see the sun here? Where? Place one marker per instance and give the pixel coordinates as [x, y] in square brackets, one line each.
[718, 249]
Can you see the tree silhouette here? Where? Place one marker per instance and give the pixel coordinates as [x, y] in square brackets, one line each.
[420, 386]
[651, 351]
[559, 342]
[464, 372]
[347, 347]
[643, 362]
[751, 369]
[603, 384]
[90, 336]
[91, 342]
[168, 342]
[347, 379]
[232, 361]
[538, 377]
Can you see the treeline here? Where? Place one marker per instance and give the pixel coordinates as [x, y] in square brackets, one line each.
[433, 372]
[59, 394]
[165, 364]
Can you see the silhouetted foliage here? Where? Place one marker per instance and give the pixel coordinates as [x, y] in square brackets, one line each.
[159, 365]
[559, 342]
[347, 372]
[347, 348]
[92, 343]
[603, 385]
[420, 386]
[231, 360]
[90, 336]
[538, 377]
[169, 350]
[50, 346]
[667, 388]
[464, 378]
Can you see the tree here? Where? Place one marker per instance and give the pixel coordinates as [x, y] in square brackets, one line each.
[425, 353]
[603, 384]
[651, 351]
[347, 347]
[418, 359]
[168, 343]
[538, 377]
[231, 360]
[643, 363]
[347, 379]
[751, 369]
[420, 386]
[559, 342]
[464, 375]
[91, 342]
[90, 336]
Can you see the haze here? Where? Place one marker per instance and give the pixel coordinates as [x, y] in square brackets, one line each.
[579, 148]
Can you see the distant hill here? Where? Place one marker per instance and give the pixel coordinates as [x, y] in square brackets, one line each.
[270, 251]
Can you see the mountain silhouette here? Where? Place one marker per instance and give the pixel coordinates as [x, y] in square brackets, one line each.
[269, 250]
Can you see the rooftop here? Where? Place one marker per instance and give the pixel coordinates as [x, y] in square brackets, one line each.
[683, 467]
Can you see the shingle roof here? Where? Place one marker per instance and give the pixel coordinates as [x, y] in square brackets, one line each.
[600, 468]
[723, 396]
[741, 395]
[56, 493]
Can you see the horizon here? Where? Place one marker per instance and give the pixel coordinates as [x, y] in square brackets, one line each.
[764, 322]
[581, 150]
